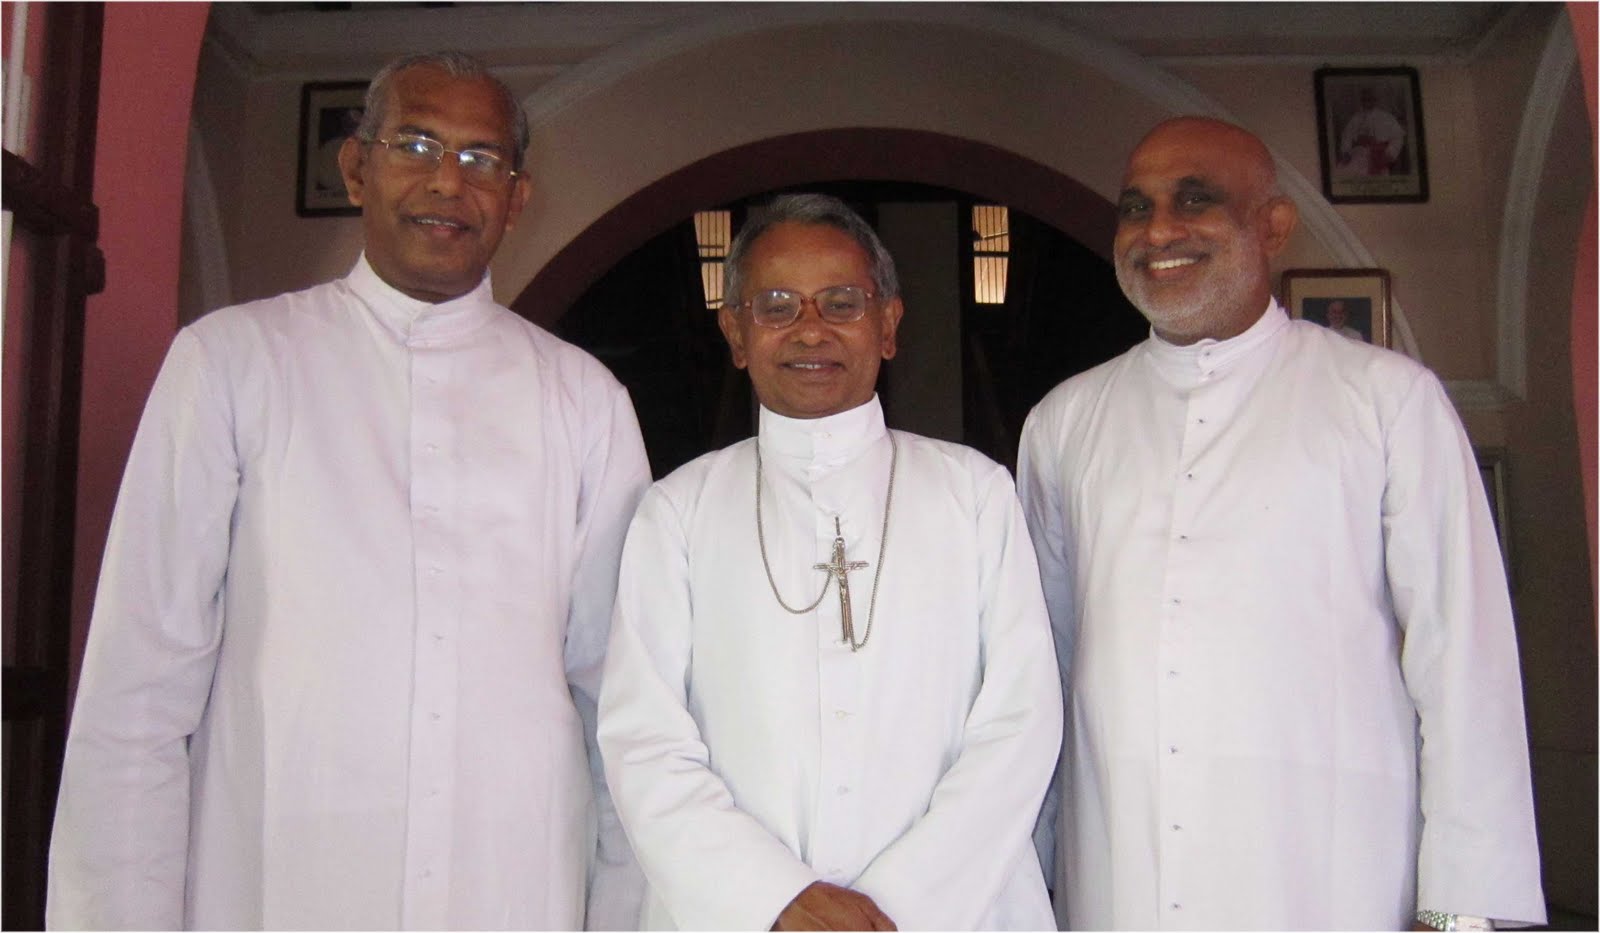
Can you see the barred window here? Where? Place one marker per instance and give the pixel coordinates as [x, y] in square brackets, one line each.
[991, 253]
[713, 232]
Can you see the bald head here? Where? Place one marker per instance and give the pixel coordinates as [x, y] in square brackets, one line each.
[1213, 142]
[1199, 218]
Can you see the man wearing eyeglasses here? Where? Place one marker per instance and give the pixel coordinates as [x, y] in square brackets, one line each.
[358, 586]
[830, 700]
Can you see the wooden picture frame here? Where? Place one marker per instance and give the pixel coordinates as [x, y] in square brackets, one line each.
[1353, 301]
[329, 112]
[1369, 135]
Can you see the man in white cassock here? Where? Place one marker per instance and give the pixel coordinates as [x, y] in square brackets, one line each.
[1339, 321]
[1278, 602]
[1371, 140]
[830, 700]
[358, 586]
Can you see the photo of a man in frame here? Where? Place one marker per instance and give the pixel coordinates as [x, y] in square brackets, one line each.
[1369, 130]
[334, 124]
[1373, 138]
[1351, 317]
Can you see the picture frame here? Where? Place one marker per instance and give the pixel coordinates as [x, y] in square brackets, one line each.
[1370, 135]
[1492, 470]
[1354, 301]
[329, 112]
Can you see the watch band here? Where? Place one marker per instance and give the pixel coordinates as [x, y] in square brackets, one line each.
[1440, 920]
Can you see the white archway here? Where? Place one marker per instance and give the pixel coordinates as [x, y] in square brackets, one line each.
[641, 111]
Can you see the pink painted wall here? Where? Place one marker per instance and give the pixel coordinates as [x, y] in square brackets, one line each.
[1585, 331]
[146, 88]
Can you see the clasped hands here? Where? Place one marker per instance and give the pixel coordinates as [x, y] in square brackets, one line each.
[824, 906]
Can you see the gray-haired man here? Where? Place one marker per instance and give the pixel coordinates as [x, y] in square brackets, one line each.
[830, 701]
[358, 585]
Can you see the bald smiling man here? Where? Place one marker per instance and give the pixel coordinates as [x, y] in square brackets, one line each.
[1292, 689]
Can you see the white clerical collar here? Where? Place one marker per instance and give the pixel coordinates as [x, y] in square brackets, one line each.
[835, 438]
[413, 319]
[1209, 358]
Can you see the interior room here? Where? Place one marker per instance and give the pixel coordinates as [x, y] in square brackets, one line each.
[168, 159]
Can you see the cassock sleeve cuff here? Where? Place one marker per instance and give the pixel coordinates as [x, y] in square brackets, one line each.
[750, 898]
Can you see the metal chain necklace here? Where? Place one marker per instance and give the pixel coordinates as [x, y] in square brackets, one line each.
[838, 568]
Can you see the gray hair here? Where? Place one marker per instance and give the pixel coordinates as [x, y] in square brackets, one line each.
[819, 209]
[457, 65]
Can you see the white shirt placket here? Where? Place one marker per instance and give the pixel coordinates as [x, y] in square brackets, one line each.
[838, 701]
[1177, 704]
[430, 790]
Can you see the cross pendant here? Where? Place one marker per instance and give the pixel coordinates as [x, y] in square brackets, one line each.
[840, 569]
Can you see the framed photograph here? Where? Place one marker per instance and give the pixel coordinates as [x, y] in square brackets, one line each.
[329, 111]
[1354, 302]
[1369, 135]
[1492, 468]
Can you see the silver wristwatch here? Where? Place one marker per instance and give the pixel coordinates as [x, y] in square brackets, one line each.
[1440, 920]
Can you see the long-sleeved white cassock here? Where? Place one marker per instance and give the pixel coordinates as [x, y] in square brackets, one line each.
[1294, 699]
[350, 623]
[751, 753]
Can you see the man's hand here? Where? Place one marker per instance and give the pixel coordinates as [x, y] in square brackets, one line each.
[823, 906]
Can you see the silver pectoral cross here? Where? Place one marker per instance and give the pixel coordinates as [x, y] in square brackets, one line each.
[840, 568]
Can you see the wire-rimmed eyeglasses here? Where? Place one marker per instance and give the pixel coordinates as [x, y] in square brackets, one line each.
[779, 307]
[479, 167]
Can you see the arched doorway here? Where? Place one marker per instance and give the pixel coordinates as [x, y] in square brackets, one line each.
[628, 287]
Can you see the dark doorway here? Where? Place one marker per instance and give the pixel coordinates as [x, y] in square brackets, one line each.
[647, 319]
[1064, 313]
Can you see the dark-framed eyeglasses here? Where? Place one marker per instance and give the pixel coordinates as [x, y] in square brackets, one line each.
[779, 307]
[479, 167]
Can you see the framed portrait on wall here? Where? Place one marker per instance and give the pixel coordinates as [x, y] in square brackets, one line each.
[1369, 135]
[329, 112]
[1354, 302]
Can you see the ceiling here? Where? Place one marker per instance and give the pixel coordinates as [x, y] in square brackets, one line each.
[275, 37]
